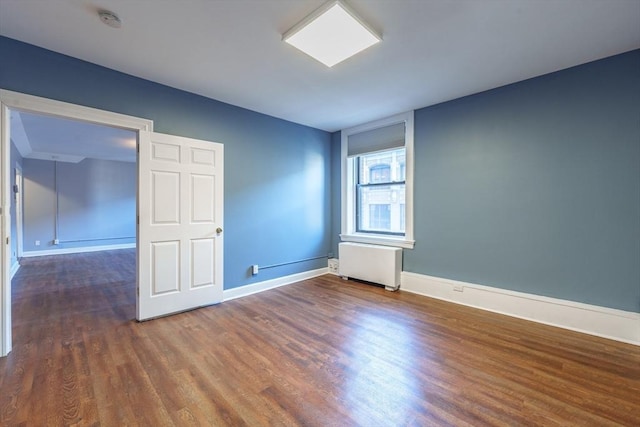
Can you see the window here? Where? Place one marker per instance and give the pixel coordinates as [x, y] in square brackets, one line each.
[380, 172]
[380, 191]
[379, 217]
[377, 182]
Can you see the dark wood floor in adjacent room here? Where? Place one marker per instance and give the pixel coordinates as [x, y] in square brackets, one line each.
[322, 352]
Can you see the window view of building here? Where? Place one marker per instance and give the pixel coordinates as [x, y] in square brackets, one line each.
[381, 192]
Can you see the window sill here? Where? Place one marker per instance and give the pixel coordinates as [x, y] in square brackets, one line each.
[400, 242]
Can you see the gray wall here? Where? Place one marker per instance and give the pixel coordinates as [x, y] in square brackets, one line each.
[95, 203]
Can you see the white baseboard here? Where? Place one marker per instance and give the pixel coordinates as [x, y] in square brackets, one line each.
[64, 251]
[254, 288]
[14, 269]
[604, 322]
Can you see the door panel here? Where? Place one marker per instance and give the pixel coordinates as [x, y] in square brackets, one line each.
[180, 206]
[202, 199]
[165, 258]
[165, 195]
[202, 266]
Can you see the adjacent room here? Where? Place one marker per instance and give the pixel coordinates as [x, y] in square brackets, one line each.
[211, 217]
[78, 185]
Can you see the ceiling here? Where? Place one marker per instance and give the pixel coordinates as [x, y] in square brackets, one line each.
[231, 50]
[44, 137]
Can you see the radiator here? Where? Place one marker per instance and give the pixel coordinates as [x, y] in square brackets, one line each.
[373, 263]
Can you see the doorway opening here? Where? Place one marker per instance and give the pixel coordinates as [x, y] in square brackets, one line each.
[77, 182]
[62, 164]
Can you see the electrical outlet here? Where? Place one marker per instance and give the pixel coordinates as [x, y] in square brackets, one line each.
[334, 266]
[56, 241]
[254, 269]
[458, 288]
[37, 242]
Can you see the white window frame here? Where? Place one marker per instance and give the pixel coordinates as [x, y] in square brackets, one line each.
[348, 180]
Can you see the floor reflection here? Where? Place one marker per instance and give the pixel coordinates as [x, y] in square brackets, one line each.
[382, 352]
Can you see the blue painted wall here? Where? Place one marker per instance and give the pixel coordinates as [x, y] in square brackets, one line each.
[277, 173]
[535, 186]
[336, 173]
[95, 203]
[39, 204]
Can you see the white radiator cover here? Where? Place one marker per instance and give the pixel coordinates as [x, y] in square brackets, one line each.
[373, 263]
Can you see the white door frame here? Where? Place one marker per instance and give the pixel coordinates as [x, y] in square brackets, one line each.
[33, 104]
[19, 200]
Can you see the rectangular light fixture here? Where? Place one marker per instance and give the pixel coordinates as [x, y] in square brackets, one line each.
[332, 34]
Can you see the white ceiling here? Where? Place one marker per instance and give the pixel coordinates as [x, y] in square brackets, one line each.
[231, 50]
[44, 137]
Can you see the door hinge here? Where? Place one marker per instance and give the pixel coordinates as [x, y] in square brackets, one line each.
[138, 219]
[138, 147]
[7, 240]
[138, 291]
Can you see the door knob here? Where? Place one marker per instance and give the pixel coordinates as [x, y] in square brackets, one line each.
[218, 230]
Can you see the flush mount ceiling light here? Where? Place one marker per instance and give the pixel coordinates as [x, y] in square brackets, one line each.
[332, 34]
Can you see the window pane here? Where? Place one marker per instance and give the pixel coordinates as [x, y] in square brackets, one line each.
[380, 173]
[383, 167]
[381, 209]
[379, 217]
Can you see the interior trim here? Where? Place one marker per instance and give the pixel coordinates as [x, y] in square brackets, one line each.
[595, 320]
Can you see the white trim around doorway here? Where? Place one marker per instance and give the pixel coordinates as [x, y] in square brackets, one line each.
[10, 100]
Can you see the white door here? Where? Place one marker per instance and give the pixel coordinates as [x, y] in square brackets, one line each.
[180, 244]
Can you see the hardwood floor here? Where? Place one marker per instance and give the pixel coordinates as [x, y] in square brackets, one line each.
[323, 352]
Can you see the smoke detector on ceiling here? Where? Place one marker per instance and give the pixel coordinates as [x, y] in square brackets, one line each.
[110, 18]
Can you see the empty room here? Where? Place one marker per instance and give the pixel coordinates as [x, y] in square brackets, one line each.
[320, 213]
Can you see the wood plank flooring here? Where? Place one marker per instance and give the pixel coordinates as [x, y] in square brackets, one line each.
[323, 352]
